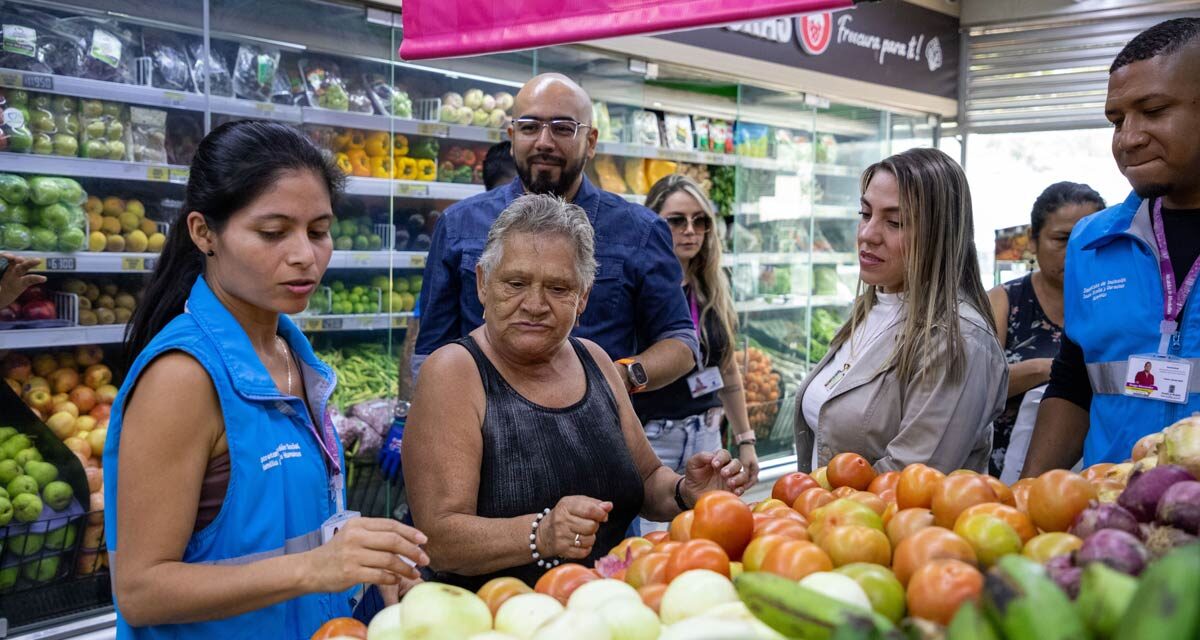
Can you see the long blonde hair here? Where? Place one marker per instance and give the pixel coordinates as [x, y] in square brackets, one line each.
[710, 283]
[941, 268]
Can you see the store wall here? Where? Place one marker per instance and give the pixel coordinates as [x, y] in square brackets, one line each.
[984, 11]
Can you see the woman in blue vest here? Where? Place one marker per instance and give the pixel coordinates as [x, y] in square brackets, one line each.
[224, 495]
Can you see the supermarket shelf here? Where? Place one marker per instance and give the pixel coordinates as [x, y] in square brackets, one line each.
[675, 155]
[836, 170]
[89, 168]
[794, 257]
[633, 197]
[378, 260]
[802, 211]
[791, 302]
[114, 333]
[411, 189]
[87, 262]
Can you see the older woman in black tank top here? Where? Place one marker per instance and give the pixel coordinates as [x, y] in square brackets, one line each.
[520, 423]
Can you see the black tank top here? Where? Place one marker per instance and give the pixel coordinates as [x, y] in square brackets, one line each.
[533, 456]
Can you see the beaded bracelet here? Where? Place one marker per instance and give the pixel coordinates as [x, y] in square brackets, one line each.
[544, 564]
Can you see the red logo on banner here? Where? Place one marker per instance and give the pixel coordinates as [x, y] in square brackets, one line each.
[815, 32]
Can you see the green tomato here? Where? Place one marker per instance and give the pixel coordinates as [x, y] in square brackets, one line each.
[883, 589]
[989, 536]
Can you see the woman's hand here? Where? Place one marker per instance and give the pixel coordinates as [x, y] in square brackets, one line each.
[712, 472]
[569, 531]
[749, 459]
[17, 278]
[366, 550]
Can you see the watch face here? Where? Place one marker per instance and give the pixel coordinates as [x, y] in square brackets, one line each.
[637, 374]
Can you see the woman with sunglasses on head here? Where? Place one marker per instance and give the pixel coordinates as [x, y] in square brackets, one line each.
[683, 418]
[917, 374]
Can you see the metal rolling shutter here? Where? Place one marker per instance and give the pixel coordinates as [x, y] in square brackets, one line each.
[1037, 76]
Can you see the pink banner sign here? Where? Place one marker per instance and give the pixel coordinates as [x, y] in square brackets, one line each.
[451, 28]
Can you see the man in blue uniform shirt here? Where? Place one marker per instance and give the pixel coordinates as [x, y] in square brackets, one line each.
[1130, 269]
[636, 311]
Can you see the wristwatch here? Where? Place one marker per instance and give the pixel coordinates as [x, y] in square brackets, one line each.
[746, 438]
[635, 373]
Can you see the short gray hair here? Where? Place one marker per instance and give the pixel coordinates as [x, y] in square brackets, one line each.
[543, 215]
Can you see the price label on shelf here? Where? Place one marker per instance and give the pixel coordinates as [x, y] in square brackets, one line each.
[158, 174]
[310, 324]
[37, 82]
[59, 264]
[412, 190]
[9, 79]
[364, 322]
[172, 98]
[150, 263]
[360, 259]
[495, 135]
[133, 264]
[677, 155]
[433, 129]
[417, 261]
[331, 324]
[264, 107]
[178, 176]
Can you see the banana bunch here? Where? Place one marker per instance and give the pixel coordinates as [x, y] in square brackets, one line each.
[800, 612]
[1025, 603]
[1167, 601]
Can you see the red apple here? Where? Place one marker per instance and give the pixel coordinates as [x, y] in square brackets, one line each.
[44, 364]
[36, 382]
[58, 398]
[97, 376]
[63, 380]
[66, 406]
[18, 367]
[100, 412]
[106, 394]
[88, 355]
[84, 398]
[38, 399]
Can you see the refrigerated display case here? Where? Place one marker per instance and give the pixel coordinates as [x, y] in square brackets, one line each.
[117, 94]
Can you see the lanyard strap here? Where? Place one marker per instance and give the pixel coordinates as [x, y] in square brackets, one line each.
[695, 308]
[1173, 298]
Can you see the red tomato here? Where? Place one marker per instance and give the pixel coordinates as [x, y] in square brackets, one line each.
[916, 486]
[697, 554]
[784, 513]
[938, 589]
[795, 559]
[769, 503]
[723, 518]
[876, 503]
[666, 547]
[785, 527]
[1019, 521]
[633, 548]
[846, 545]
[656, 537]
[850, 470]
[884, 482]
[844, 492]
[957, 492]
[930, 543]
[1020, 491]
[759, 547]
[498, 590]
[648, 570]
[341, 627]
[561, 581]
[681, 527]
[789, 487]
[811, 500]
[1096, 472]
[1045, 546]
[1003, 492]
[1056, 497]
[841, 513]
[907, 522]
[652, 595]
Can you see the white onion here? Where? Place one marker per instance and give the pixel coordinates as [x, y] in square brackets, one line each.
[706, 628]
[592, 595]
[386, 625]
[521, 615]
[694, 593]
[837, 586]
[629, 619]
[492, 635]
[574, 625]
[434, 611]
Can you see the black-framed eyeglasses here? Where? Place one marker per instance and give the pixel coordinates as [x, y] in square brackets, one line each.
[700, 223]
[564, 129]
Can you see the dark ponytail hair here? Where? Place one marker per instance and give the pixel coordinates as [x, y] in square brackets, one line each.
[1057, 196]
[234, 164]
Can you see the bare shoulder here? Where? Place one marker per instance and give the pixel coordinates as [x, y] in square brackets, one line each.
[998, 296]
[176, 376]
[176, 385]
[601, 357]
[448, 362]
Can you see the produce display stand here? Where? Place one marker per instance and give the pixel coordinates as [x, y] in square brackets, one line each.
[781, 165]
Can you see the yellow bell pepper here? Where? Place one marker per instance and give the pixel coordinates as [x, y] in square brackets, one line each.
[635, 176]
[610, 176]
[343, 163]
[426, 170]
[658, 169]
[358, 139]
[406, 169]
[381, 166]
[341, 140]
[377, 144]
[400, 145]
[359, 162]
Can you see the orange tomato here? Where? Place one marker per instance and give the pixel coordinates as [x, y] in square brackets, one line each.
[783, 527]
[821, 476]
[657, 536]
[632, 548]
[348, 627]
[647, 570]
[498, 590]
[955, 493]
[938, 589]
[756, 552]
[723, 518]
[884, 482]
[697, 554]
[795, 559]
[1056, 497]
[844, 492]
[888, 514]
[907, 522]
[1003, 493]
[850, 470]
[888, 496]
[666, 547]
[963, 472]
[854, 543]
[652, 595]
[1096, 472]
[1015, 518]
[681, 526]
[1048, 545]
[790, 486]
[811, 500]
[769, 503]
[841, 513]
[1020, 491]
[916, 486]
[561, 581]
[871, 500]
[928, 544]
[784, 513]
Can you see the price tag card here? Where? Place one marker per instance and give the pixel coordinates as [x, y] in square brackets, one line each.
[433, 129]
[158, 174]
[264, 107]
[172, 98]
[310, 324]
[10, 79]
[133, 264]
[37, 82]
[59, 264]
[417, 261]
[360, 259]
[495, 135]
[399, 321]
[151, 263]
[178, 176]
[412, 190]
[331, 324]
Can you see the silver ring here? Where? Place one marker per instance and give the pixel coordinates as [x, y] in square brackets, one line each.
[577, 543]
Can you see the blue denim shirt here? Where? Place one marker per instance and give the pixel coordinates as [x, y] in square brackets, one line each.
[635, 302]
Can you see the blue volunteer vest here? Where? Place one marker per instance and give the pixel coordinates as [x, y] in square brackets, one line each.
[1113, 305]
[281, 485]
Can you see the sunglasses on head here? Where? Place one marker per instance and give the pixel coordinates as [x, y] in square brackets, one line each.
[700, 223]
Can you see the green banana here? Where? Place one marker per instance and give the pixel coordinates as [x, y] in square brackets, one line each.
[800, 612]
[969, 623]
[1025, 603]
[1167, 603]
[1104, 596]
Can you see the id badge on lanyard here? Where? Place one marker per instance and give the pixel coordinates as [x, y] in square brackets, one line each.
[1161, 376]
[706, 380]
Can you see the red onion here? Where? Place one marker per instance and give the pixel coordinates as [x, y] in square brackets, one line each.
[1145, 489]
[1065, 574]
[1160, 540]
[1103, 516]
[1120, 550]
[1180, 506]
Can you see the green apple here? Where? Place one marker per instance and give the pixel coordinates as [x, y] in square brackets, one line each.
[6, 511]
[14, 444]
[112, 109]
[115, 130]
[43, 144]
[41, 570]
[8, 578]
[95, 148]
[27, 507]
[883, 589]
[95, 129]
[44, 239]
[26, 544]
[43, 472]
[92, 108]
[65, 145]
[65, 104]
[9, 470]
[61, 538]
[22, 485]
[71, 240]
[57, 494]
[116, 150]
[25, 456]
